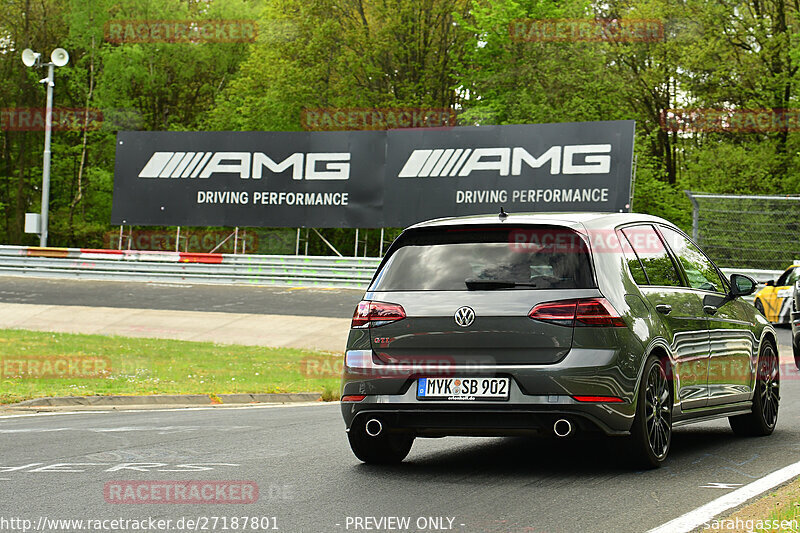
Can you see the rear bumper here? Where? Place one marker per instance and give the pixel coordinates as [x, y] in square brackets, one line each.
[474, 422]
[539, 394]
[521, 414]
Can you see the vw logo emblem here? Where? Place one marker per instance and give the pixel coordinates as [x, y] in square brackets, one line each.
[464, 316]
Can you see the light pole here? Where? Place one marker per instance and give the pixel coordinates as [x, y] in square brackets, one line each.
[58, 58]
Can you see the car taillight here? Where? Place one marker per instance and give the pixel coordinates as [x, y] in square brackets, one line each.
[597, 312]
[561, 313]
[353, 398]
[594, 312]
[373, 314]
[598, 399]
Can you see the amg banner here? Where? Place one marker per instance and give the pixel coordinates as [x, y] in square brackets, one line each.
[368, 179]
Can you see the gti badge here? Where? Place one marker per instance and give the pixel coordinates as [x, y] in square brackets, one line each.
[464, 316]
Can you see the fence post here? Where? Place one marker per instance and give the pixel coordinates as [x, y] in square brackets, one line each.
[695, 216]
[326, 242]
[633, 182]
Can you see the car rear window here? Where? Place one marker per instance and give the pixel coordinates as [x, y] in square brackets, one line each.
[539, 257]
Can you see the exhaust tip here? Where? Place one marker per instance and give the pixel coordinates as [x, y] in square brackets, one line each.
[373, 427]
[562, 427]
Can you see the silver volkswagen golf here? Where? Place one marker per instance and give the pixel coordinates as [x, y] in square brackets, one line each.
[562, 324]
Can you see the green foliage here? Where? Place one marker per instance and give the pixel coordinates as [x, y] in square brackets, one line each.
[653, 195]
[141, 366]
[157, 86]
[746, 168]
[334, 53]
[458, 54]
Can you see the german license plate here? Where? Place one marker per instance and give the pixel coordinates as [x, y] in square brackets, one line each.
[462, 389]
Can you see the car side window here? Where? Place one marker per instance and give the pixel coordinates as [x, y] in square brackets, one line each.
[787, 278]
[699, 269]
[654, 257]
[634, 264]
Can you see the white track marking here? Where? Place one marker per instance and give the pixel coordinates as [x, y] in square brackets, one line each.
[52, 413]
[716, 485]
[694, 519]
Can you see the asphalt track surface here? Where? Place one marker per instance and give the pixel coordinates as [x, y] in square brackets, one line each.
[332, 303]
[56, 466]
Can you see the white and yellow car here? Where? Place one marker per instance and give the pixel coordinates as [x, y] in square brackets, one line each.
[775, 299]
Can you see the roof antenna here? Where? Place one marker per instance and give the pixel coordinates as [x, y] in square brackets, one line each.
[503, 215]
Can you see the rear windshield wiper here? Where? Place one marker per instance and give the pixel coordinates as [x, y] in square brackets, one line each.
[491, 284]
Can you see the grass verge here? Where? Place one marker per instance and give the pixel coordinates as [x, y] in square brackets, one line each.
[36, 364]
[779, 511]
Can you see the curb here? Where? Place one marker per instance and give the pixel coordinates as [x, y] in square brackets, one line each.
[168, 399]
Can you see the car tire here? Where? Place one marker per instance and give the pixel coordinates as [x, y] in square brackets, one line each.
[759, 307]
[385, 448]
[766, 397]
[796, 351]
[651, 433]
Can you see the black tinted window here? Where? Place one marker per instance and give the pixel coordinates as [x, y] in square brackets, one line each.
[635, 266]
[653, 254]
[699, 269]
[445, 259]
[787, 278]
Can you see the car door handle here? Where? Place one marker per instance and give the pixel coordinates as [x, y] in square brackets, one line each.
[710, 309]
[664, 309]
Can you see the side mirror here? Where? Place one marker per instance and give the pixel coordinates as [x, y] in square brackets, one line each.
[742, 285]
[770, 283]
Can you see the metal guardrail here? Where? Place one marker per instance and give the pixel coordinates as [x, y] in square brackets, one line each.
[761, 276]
[281, 270]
